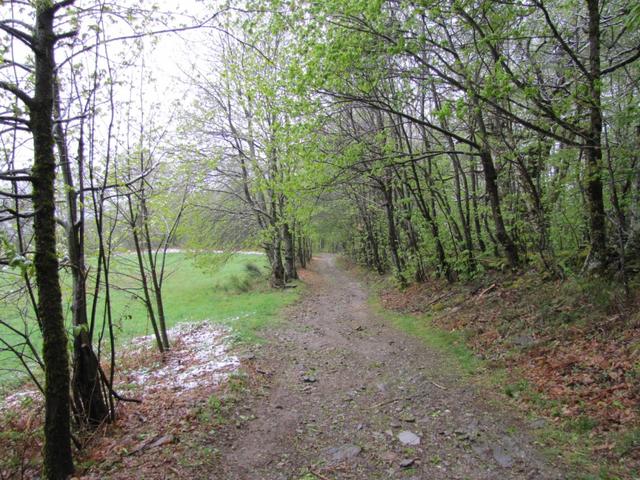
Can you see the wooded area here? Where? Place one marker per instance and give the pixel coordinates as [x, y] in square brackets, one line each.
[425, 139]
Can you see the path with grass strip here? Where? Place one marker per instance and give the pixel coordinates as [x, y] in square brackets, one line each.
[345, 395]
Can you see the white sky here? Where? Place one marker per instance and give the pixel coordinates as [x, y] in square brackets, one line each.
[166, 56]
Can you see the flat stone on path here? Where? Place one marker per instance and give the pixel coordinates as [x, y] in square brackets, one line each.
[340, 454]
[408, 438]
[407, 462]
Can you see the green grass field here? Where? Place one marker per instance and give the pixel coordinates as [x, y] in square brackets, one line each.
[231, 291]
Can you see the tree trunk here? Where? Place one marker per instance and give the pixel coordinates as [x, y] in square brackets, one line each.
[633, 239]
[423, 207]
[289, 253]
[155, 282]
[457, 174]
[302, 258]
[277, 268]
[87, 387]
[371, 240]
[308, 250]
[491, 184]
[593, 148]
[393, 235]
[57, 462]
[474, 203]
[143, 275]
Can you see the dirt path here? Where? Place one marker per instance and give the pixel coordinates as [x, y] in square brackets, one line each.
[343, 386]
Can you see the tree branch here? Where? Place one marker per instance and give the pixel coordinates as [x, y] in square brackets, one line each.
[21, 94]
[621, 64]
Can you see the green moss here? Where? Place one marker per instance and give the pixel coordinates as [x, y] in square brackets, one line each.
[452, 343]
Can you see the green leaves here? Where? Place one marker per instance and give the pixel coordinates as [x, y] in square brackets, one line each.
[633, 17]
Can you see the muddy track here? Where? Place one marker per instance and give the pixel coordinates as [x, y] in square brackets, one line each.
[343, 386]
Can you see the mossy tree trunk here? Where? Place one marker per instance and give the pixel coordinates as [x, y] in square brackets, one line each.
[593, 148]
[289, 253]
[58, 463]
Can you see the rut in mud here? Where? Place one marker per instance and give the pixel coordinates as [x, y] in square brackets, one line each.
[351, 397]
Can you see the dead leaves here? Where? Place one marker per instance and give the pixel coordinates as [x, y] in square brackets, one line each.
[589, 366]
[591, 377]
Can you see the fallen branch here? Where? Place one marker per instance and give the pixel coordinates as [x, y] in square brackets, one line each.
[387, 402]
[115, 394]
[486, 290]
[437, 299]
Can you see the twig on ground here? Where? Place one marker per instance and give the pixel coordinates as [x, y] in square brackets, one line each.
[440, 297]
[318, 474]
[387, 402]
[486, 290]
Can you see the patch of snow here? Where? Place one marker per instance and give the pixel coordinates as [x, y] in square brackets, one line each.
[15, 400]
[199, 357]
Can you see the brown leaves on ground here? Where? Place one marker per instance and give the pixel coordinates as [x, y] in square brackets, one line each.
[578, 345]
[591, 377]
[21, 440]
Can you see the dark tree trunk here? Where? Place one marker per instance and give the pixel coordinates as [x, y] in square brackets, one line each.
[277, 279]
[87, 386]
[133, 223]
[393, 235]
[458, 173]
[423, 207]
[633, 239]
[464, 219]
[302, 257]
[496, 245]
[370, 236]
[289, 253]
[57, 462]
[374, 247]
[308, 249]
[593, 148]
[474, 203]
[155, 281]
[491, 184]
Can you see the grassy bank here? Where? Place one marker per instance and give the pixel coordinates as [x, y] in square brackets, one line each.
[232, 291]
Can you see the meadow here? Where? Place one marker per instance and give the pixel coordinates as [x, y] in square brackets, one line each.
[228, 290]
